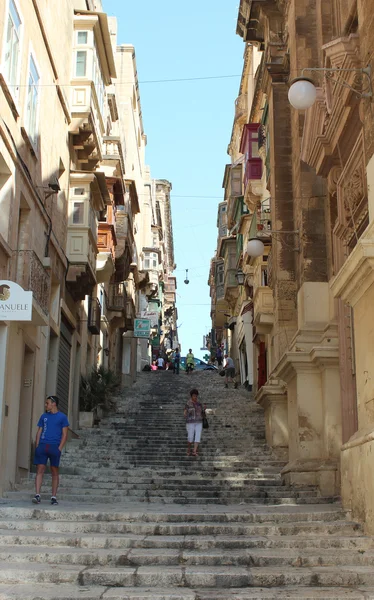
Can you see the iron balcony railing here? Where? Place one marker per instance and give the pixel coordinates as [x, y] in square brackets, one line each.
[116, 299]
[32, 276]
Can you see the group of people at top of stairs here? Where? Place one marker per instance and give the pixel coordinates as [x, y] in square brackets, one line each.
[171, 363]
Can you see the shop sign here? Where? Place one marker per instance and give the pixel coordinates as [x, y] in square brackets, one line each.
[142, 328]
[153, 316]
[15, 303]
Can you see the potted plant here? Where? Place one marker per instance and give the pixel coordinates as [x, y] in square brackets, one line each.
[95, 395]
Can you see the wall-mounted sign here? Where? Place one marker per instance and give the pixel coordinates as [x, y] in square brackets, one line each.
[15, 303]
[142, 328]
[153, 316]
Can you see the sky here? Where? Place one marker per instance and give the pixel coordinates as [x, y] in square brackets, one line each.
[188, 126]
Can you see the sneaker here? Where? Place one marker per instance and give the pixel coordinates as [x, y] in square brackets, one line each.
[54, 500]
[236, 386]
[226, 386]
[36, 499]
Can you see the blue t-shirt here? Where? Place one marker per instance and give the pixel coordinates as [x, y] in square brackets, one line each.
[52, 424]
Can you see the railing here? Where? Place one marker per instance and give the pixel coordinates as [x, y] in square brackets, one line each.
[220, 291]
[116, 299]
[94, 317]
[241, 106]
[113, 149]
[32, 276]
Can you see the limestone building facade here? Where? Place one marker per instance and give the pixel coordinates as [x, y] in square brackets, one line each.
[73, 206]
[315, 379]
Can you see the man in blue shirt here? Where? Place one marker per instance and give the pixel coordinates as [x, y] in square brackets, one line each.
[51, 437]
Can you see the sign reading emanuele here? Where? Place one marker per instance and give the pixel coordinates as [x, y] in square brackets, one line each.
[15, 303]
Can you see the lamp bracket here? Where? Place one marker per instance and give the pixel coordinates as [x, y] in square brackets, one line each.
[366, 71]
[287, 232]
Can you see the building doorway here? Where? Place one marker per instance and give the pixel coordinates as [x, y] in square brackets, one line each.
[64, 365]
[24, 441]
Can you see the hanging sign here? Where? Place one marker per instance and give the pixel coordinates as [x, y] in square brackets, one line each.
[153, 316]
[142, 328]
[15, 303]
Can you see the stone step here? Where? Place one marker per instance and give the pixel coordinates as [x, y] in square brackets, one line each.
[180, 462]
[70, 592]
[188, 576]
[132, 513]
[190, 491]
[181, 497]
[142, 482]
[189, 542]
[338, 529]
[140, 557]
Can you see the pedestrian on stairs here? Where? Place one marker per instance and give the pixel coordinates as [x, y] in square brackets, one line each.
[193, 413]
[176, 361]
[160, 363]
[190, 362]
[51, 437]
[229, 367]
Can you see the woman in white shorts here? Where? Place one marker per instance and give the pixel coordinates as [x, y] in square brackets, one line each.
[193, 413]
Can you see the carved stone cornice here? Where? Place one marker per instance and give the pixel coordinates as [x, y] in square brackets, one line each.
[335, 110]
[352, 195]
[357, 273]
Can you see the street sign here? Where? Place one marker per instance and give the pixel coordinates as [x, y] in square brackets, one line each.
[142, 328]
[15, 303]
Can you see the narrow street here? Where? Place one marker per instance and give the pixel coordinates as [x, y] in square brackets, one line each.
[138, 519]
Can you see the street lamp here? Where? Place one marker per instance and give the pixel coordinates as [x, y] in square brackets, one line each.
[255, 248]
[302, 93]
[239, 276]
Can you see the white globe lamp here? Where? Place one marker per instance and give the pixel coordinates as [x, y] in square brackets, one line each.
[302, 93]
[255, 248]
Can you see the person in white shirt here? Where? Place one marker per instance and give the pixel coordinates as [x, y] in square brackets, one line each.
[160, 363]
[229, 367]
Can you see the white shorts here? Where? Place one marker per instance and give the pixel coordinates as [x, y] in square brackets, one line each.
[194, 432]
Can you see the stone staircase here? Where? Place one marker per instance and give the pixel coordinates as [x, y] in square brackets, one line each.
[138, 519]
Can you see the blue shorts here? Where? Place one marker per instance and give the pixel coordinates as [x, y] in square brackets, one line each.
[47, 451]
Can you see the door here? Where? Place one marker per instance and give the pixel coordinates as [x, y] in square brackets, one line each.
[63, 370]
[262, 370]
[25, 413]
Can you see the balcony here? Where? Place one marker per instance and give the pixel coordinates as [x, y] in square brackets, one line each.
[220, 292]
[106, 243]
[253, 171]
[32, 276]
[94, 317]
[263, 309]
[241, 107]
[113, 155]
[117, 297]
